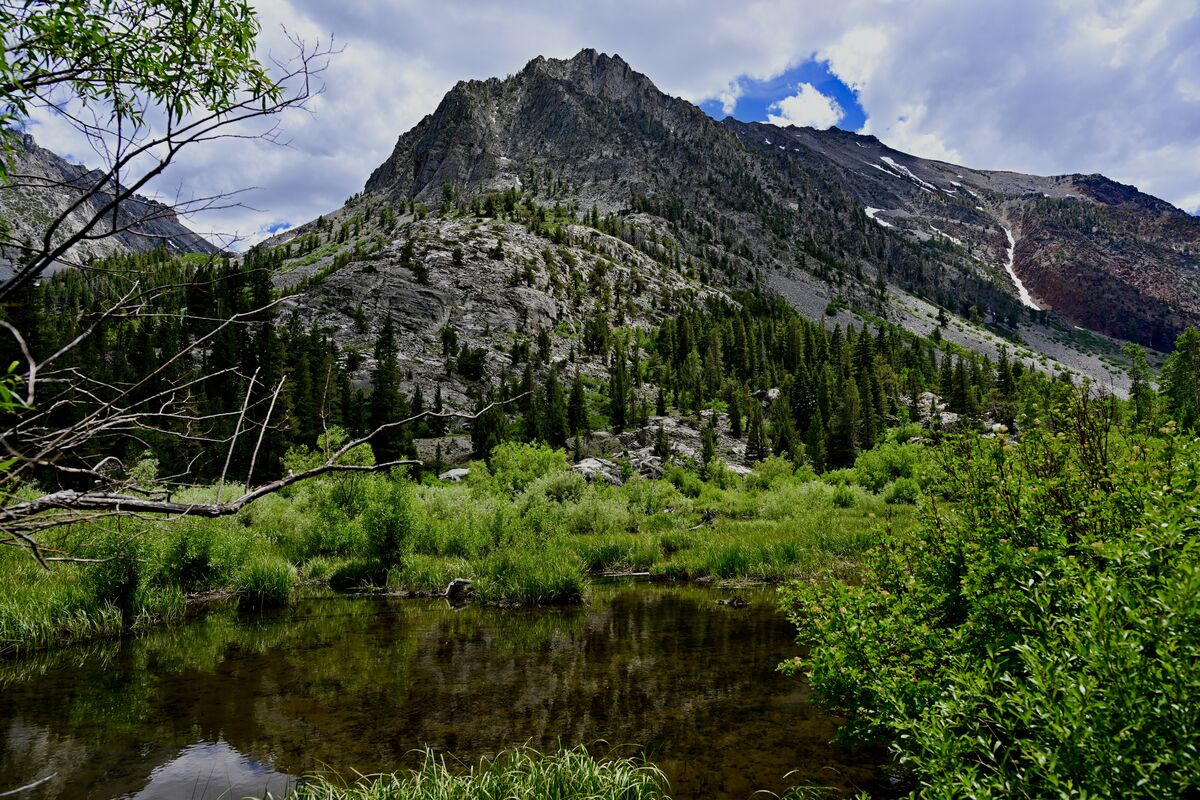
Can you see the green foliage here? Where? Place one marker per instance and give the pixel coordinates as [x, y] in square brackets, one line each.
[300, 457]
[264, 582]
[531, 576]
[843, 497]
[876, 468]
[515, 466]
[1036, 638]
[171, 55]
[567, 775]
[1181, 380]
[389, 522]
[902, 490]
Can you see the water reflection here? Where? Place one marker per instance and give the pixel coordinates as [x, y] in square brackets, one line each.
[228, 706]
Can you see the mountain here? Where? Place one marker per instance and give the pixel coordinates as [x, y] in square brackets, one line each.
[668, 205]
[42, 185]
[1103, 255]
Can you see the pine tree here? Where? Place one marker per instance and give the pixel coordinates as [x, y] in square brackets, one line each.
[556, 427]
[533, 422]
[488, 429]
[814, 444]
[842, 445]
[577, 411]
[1141, 392]
[662, 445]
[756, 437]
[733, 400]
[618, 390]
[386, 404]
[708, 444]
[783, 431]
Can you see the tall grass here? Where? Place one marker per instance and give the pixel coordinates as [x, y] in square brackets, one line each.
[517, 775]
[526, 531]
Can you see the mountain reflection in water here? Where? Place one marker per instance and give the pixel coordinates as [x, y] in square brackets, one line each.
[229, 706]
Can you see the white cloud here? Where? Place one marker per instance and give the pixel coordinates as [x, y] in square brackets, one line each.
[806, 108]
[1069, 86]
[728, 97]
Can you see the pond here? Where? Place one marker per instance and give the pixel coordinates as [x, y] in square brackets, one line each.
[232, 705]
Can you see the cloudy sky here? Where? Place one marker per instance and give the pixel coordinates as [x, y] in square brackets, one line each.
[1043, 86]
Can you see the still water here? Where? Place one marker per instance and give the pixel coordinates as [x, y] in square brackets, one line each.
[229, 706]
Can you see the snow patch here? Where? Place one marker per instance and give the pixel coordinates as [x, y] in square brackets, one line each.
[886, 171]
[871, 212]
[940, 232]
[901, 168]
[1022, 292]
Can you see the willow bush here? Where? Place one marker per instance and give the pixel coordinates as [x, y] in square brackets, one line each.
[1038, 636]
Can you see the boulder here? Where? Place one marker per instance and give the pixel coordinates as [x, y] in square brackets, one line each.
[594, 469]
[458, 590]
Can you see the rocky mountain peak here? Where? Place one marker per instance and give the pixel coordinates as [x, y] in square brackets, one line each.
[825, 217]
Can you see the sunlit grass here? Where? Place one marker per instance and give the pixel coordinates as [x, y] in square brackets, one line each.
[568, 775]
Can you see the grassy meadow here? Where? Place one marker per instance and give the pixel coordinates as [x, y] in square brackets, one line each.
[526, 530]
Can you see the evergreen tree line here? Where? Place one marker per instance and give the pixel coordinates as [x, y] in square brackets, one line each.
[786, 385]
[189, 302]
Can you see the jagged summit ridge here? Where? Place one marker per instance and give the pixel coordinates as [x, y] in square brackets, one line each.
[756, 201]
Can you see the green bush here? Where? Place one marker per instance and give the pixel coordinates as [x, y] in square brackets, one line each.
[843, 497]
[389, 522]
[264, 582]
[902, 491]
[876, 468]
[770, 471]
[515, 466]
[123, 564]
[687, 482]
[562, 486]
[654, 497]
[1039, 638]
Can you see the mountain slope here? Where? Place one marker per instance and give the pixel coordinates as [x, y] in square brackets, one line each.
[1103, 256]
[42, 185]
[836, 223]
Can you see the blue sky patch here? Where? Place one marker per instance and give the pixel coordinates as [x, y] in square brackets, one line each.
[757, 96]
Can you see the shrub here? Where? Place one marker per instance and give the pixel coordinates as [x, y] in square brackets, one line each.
[563, 486]
[843, 497]
[770, 471]
[124, 563]
[264, 582]
[389, 521]
[876, 468]
[1038, 639]
[906, 433]
[653, 497]
[902, 491]
[687, 482]
[515, 466]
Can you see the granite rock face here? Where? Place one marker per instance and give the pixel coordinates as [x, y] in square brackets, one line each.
[1098, 254]
[667, 209]
[43, 185]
